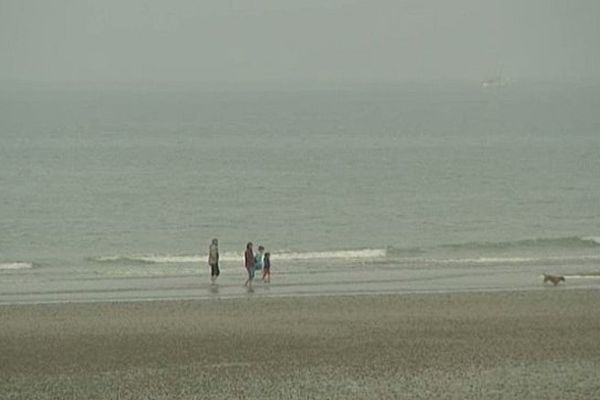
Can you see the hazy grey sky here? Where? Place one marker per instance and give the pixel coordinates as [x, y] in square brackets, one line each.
[281, 40]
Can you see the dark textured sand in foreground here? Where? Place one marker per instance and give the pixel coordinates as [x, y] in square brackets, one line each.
[521, 345]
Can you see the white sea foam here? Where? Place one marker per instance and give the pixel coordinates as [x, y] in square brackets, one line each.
[232, 257]
[595, 239]
[15, 265]
[507, 260]
[478, 260]
[350, 255]
[151, 259]
[328, 255]
[538, 243]
[596, 277]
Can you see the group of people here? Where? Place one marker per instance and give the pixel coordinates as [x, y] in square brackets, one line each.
[261, 261]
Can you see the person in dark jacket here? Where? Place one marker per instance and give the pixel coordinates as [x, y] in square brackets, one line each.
[213, 260]
[249, 264]
[266, 276]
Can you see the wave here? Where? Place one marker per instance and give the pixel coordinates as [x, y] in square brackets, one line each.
[593, 276]
[148, 259]
[593, 239]
[332, 255]
[233, 257]
[392, 251]
[478, 253]
[506, 260]
[569, 242]
[15, 265]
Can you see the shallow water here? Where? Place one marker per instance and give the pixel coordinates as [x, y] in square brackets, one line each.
[115, 193]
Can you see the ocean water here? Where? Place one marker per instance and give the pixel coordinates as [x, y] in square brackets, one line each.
[115, 192]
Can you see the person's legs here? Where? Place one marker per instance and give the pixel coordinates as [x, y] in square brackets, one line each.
[250, 277]
[214, 272]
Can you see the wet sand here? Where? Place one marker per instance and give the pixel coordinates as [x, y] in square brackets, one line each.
[509, 345]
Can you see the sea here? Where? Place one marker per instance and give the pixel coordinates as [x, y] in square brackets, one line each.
[114, 192]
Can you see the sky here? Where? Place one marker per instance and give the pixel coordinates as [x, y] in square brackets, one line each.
[298, 40]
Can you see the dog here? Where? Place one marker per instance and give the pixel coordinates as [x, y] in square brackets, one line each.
[555, 279]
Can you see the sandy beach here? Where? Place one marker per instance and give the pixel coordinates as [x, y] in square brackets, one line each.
[509, 345]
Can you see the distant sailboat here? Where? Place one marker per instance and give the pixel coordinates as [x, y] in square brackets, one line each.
[496, 81]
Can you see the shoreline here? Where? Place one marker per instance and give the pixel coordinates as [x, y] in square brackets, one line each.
[247, 295]
[533, 344]
[458, 279]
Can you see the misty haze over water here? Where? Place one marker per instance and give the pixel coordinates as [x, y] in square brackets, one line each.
[309, 41]
[398, 136]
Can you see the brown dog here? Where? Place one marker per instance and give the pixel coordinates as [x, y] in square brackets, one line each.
[555, 279]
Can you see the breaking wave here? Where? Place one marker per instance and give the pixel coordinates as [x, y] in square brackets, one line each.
[508, 260]
[593, 239]
[284, 255]
[11, 266]
[570, 242]
[148, 259]
[514, 252]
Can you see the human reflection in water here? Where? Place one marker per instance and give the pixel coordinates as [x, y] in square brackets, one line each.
[213, 288]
